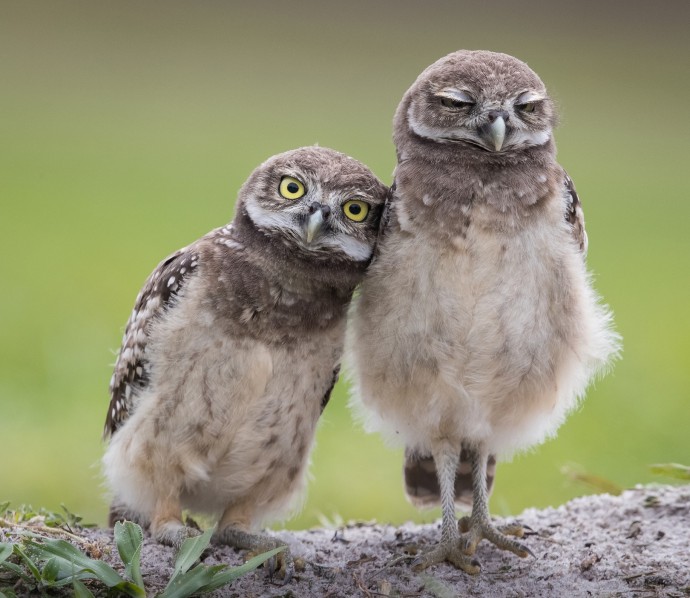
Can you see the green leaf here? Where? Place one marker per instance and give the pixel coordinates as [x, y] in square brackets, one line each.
[185, 584]
[51, 570]
[65, 550]
[80, 590]
[71, 519]
[7, 594]
[672, 470]
[191, 550]
[129, 539]
[4, 506]
[5, 551]
[78, 564]
[17, 570]
[576, 474]
[30, 565]
[224, 577]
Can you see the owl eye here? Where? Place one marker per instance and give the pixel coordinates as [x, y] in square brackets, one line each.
[454, 103]
[291, 188]
[526, 106]
[356, 209]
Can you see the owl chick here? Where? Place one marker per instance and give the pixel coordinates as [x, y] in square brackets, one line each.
[477, 329]
[233, 348]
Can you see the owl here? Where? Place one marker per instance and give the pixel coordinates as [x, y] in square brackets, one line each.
[232, 351]
[477, 329]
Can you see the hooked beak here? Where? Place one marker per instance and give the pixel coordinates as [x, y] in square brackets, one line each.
[318, 214]
[495, 131]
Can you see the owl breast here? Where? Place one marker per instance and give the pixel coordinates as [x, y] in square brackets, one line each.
[228, 418]
[489, 342]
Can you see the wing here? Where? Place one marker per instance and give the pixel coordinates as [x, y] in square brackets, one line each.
[574, 214]
[387, 220]
[131, 373]
[421, 479]
[327, 396]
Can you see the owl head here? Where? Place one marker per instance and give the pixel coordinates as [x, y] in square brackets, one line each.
[316, 202]
[476, 102]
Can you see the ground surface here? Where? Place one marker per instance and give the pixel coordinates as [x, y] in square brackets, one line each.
[636, 544]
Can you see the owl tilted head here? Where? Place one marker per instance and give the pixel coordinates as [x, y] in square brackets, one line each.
[316, 204]
[476, 103]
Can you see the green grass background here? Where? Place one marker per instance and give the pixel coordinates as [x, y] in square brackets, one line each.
[127, 127]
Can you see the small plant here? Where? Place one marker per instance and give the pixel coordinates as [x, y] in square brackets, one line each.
[576, 474]
[672, 470]
[43, 563]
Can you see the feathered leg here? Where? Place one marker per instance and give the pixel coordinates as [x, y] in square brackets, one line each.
[166, 524]
[232, 531]
[449, 548]
[478, 526]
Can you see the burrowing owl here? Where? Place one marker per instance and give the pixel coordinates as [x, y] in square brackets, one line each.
[233, 348]
[477, 329]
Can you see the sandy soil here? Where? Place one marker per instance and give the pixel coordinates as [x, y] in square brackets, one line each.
[636, 544]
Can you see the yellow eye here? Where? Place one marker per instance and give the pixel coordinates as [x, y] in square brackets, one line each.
[526, 107]
[356, 209]
[291, 188]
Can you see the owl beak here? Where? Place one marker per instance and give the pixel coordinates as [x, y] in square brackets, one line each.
[318, 214]
[495, 131]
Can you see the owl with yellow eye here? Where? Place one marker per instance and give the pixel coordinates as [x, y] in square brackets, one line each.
[232, 350]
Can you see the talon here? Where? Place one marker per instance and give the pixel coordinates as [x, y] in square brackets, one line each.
[479, 530]
[300, 564]
[527, 552]
[512, 529]
[418, 564]
[270, 566]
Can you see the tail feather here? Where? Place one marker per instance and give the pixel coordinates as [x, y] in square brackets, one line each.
[421, 481]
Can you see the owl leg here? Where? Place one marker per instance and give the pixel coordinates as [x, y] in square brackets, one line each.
[166, 524]
[478, 526]
[232, 531]
[119, 512]
[449, 548]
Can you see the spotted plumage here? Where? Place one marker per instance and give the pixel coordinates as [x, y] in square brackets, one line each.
[233, 349]
[130, 375]
[476, 330]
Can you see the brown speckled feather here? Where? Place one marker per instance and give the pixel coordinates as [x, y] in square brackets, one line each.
[574, 215]
[131, 368]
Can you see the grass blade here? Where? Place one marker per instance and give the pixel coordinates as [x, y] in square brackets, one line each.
[17, 570]
[30, 565]
[80, 590]
[5, 551]
[51, 570]
[224, 577]
[74, 564]
[129, 539]
[186, 584]
[191, 550]
[672, 470]
[575, 474]
[66, 551]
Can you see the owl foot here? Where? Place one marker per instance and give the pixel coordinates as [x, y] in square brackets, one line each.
[450, 552]
[474, 531]
[173, 533]
[280, 565]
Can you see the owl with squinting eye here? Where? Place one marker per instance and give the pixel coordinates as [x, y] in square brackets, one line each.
[232, 351]
[477, 328]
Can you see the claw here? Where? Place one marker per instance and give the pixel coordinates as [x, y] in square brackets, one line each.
[476, 531]
[450, 553]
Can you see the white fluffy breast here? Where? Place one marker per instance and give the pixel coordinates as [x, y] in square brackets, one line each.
[489, 338]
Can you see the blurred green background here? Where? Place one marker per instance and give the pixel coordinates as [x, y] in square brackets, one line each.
[126, 129]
